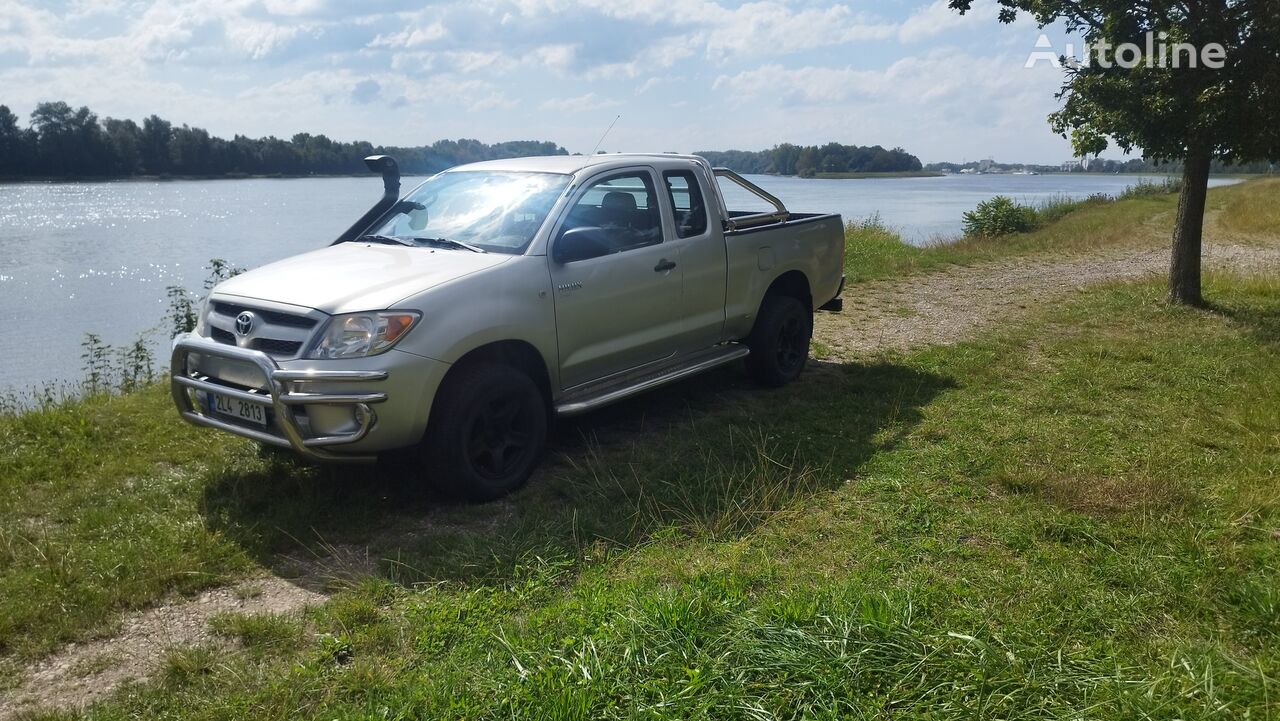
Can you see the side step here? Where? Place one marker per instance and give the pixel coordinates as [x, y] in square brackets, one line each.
[603, 392]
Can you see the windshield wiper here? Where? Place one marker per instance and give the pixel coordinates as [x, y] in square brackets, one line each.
[451, 242]
[375, 238]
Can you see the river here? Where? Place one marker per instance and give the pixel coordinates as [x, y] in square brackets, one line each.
[98, 257]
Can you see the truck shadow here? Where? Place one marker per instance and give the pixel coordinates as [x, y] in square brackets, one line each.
[712, 455]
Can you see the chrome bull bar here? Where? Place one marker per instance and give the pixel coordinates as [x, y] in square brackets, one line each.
[286, 393]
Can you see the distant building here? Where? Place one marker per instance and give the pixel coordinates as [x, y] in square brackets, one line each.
[985, 165]
[1073, 165]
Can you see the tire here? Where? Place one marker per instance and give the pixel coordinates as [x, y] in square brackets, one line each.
[487, 432]
[779, 342]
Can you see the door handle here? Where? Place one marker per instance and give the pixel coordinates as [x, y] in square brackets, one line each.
[663, 265]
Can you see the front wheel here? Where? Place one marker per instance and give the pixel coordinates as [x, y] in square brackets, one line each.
[779, 342]
[487, 432]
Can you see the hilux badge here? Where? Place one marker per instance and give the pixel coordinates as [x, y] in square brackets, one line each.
[244, 323]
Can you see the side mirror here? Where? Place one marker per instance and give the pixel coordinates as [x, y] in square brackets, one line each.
[589, 241]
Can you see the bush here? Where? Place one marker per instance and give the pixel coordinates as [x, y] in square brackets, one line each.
[999, 216]
[1146, 188]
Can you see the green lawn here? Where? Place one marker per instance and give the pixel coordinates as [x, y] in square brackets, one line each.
[1074, 517]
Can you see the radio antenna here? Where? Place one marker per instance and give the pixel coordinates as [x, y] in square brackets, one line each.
[606, 134]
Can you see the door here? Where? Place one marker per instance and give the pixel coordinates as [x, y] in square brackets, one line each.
[702, 260]
[617, 285]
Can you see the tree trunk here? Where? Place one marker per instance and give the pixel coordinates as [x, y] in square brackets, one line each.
[1188, 230]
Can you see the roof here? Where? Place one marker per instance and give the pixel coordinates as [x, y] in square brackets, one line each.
[570, 164]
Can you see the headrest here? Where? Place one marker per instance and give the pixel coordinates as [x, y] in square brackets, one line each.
[619, 202]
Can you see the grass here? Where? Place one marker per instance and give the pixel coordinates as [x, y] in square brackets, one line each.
[1077, 516]
[873, 251]
[99, 500]
[1253, 209]
[1072, 517]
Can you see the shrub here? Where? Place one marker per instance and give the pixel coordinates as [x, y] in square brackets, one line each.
[1146, 188]
[999, 216]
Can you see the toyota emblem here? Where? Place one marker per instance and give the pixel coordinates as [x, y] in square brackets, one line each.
[244, 323]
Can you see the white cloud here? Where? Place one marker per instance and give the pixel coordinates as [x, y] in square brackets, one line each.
[938, 18]
[412, 37]
[556, 57]
[579, 104]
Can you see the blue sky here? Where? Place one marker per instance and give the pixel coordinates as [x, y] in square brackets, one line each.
[683, 74]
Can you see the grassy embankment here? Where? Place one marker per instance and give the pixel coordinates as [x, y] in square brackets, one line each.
[1076, 516]
[876, 252]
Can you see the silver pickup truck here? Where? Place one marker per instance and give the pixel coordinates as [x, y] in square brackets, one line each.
[462, 318]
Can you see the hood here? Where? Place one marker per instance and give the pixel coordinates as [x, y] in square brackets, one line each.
[350, 277]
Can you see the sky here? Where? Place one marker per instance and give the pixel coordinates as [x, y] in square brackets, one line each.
[684, 75]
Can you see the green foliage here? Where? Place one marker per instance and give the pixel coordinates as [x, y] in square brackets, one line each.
[137, 366]
[181, 315]
[98, 368]
[999, 216]
[811, 160]
[108, 369]
[220, 270]
[1146, 189]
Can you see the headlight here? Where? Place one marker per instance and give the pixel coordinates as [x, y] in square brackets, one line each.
[356, 335]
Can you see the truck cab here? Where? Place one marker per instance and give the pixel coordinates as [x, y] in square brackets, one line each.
[460, 319]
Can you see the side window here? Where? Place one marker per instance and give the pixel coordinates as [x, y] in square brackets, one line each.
[615, 214]
[686, 200]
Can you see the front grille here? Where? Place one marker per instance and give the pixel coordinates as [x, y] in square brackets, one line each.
[277, 333]
[271, 316]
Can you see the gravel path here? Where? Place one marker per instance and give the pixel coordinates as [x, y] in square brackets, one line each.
[82, 673]
[950, 306]
[937, 308]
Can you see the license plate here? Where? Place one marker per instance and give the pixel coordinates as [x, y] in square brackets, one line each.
[239, 409]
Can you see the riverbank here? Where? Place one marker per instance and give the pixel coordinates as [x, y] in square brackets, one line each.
[872, 176]
[992, 492]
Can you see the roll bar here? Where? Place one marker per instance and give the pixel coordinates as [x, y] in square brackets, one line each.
[741, 222]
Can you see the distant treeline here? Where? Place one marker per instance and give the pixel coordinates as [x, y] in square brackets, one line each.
[809, 160]
[62, 141]
[1104, 165]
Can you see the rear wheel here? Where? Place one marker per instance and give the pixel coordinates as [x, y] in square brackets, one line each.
[779, 342]
[487, 432]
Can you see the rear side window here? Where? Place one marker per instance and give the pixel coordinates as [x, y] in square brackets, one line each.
[687, 202]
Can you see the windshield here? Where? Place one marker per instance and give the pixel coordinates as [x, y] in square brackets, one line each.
[494, 211]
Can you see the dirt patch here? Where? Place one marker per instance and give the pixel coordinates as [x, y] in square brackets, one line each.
[950, 306]
[82, 673]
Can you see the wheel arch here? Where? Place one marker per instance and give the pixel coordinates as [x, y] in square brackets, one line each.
[518, 354]
[793, 283]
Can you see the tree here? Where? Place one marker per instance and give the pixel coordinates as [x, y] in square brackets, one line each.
[10, 143]
[1170, 110]
[154, 147]
[807, 163]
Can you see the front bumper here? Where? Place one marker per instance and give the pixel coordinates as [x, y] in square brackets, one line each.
[284, 391]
